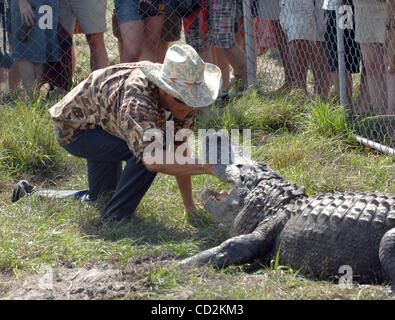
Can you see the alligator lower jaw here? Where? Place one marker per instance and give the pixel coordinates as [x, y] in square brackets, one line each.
[222, 206]
[211, 195]
[218, 197]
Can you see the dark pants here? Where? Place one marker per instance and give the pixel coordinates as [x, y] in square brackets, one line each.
[104, 154]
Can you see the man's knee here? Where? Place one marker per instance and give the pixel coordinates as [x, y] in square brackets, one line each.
[95, 40]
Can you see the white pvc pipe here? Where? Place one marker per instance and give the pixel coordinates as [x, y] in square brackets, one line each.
[375, 145]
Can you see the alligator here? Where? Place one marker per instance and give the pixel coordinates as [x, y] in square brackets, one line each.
[270, 218]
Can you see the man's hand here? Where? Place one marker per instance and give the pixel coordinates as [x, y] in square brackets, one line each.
[27, 14]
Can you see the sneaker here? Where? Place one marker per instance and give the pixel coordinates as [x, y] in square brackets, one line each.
[21, 189]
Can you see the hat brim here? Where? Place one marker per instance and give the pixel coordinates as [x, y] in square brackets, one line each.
[194, 96]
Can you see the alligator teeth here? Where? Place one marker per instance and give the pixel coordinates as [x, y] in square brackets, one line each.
[221, 196]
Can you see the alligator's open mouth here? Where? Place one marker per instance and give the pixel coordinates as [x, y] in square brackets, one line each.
[222, 205]
[217, 196]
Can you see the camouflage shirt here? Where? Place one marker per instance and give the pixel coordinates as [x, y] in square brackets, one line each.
[122, 101]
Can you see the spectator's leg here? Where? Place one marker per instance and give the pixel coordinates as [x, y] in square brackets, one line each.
[2, 74]
[133, 38]
[222, 17]
[237, 58]
[206, 55]
[26, 69]
[221, 61]
[171, 32]
[364, 97]
[299, 63]
[152, 31]
[390, 59]
[282, 43]
[14, 77]
[161, 51]
[320, 69]
[391, 90]
[373, 57]
[30, 73]
[38, 71]
[99, 58]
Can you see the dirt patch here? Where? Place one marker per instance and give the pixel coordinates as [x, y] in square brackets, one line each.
[95, 281]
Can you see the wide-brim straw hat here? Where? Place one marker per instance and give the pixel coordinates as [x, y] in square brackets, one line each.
[185, 76]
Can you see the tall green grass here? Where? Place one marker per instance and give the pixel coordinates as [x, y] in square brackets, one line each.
[328, 120]
[27, 140]
[255, 112]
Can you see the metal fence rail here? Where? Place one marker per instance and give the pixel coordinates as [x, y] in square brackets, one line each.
[329, 49]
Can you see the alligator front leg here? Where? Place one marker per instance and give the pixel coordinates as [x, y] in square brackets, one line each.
[387, 255]
[237, 250]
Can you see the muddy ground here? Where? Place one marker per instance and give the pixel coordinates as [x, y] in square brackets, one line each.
[93, 281]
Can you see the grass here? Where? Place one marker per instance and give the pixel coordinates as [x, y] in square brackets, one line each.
[308, 142]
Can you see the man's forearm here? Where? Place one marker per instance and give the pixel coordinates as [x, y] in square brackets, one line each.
[190, 167]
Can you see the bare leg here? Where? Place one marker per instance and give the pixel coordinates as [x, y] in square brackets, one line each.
[391, 90]
[161, 51]
[373, 57]
[14, 77]
[299, 63]
[132, 38]
[207, 55]
[152, 30]
[221, 61]
[240, 38]
[237, 58]
[320, 69]
[28, 71]
[99, 58]
[282, 42]
[364, 97]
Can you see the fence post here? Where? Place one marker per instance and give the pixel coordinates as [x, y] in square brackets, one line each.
[341, 61]
[249, 40]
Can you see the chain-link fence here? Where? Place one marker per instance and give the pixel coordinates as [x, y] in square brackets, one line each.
[326, 48]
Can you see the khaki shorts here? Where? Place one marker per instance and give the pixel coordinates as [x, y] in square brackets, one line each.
[303, 19]
[90, 14]
[269, 10]
[390, 36]
[370, 19]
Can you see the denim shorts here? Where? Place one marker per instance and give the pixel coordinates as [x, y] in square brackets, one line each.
[127, 10]
[40, 45]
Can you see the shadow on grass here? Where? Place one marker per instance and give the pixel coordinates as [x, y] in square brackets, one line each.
[199, 228]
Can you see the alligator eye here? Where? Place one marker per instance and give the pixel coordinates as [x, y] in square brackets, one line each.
[239, 165]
